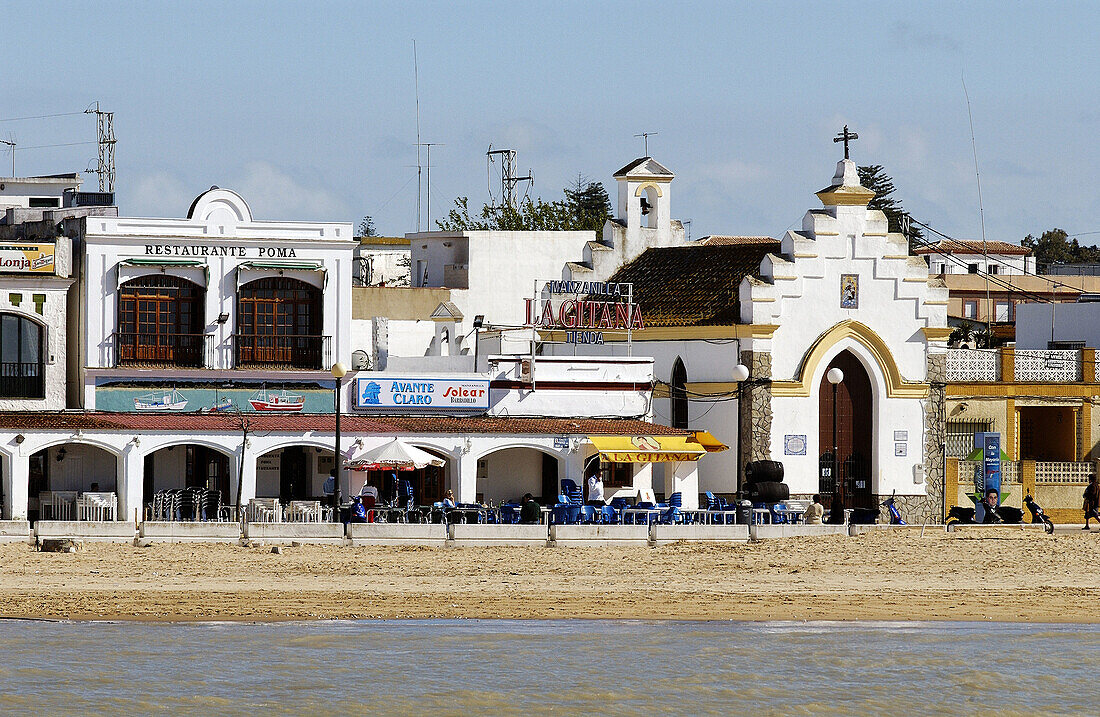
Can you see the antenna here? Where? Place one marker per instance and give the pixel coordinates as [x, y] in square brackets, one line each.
[416, 89]
[508, 178]
[10, 143]
[105, 132]
[645, 138]
[428, 179]
[981, 214]
[687, 226]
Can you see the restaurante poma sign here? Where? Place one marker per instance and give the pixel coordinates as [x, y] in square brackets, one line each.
[595, 307]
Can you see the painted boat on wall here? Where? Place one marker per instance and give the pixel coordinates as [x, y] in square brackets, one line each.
[270, 401]
[161, 401]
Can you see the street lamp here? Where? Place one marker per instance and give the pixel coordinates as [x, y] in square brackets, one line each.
[479, 321]
[339, 370]
[835, 376]
[739, 375]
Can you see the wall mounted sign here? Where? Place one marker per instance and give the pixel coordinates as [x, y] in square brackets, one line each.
[794, 445]
[263, 252]
[584, 309]
[901, 435]
[900, 449]
[422, 393]
[849, 291]
[27, 258]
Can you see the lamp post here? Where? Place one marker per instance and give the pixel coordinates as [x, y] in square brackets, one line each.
[835, 376]
[338, 372]
[740, 374]
[479, 321]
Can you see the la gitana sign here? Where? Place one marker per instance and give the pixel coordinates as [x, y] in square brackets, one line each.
[421, 393]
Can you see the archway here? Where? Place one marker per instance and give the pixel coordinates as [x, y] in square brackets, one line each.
[160, 322]
[189, 465]
[847, 475]
[678, 395]
[22, 371]
[296, 472]
[507, 473]
[58, 474]
[428, 484]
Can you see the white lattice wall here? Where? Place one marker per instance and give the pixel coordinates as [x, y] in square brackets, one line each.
[973, 365]
[1062, 366]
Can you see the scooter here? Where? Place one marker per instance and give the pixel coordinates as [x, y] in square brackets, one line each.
[895, 514]
[1037, 514]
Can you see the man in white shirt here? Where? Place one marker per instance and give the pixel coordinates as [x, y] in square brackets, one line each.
[595, 490]
[814, 512]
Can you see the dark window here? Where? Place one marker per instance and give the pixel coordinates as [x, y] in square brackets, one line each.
[279, 323]
[21, 365]
[44, 202]
[678, 395]
[972, 268]
[160, 321]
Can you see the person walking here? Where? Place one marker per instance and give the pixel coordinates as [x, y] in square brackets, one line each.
[1091, 503]
[595, 490]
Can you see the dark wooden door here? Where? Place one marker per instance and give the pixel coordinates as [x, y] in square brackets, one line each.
[293, 475]
[854, 439]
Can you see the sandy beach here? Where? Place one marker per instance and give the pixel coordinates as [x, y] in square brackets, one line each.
[1001, 575]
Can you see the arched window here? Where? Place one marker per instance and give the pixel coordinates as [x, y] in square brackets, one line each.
[21, 365]
[678, 394]
[160, 321]
[279, 324]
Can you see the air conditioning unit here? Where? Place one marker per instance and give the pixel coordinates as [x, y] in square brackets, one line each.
[360, 361]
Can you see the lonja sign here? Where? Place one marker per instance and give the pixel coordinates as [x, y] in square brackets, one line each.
[584, 309]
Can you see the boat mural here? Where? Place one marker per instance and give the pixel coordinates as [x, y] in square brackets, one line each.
[225, 404]
[171, 400]
[267, 401]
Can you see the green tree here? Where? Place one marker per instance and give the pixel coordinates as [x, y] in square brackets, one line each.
[366, 227]
[1055, 247]
[586, 206]
[874, 177]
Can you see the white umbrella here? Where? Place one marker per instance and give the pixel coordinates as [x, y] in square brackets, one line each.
[395, 455]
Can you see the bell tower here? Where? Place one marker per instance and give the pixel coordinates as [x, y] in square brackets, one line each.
[644, 200]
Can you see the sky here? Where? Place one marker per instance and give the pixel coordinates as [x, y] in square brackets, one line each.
[309, 109]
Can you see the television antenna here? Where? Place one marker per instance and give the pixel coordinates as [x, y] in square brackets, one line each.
[645, 139]
[105, 138]
[11, 143]
[508, 178]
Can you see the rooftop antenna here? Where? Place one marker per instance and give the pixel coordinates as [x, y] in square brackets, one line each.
[981, 214]
[508, 178]
[10, 143]
[645, 139]
[427, 179]
[105, 132]
[416, 89]
[687, 226]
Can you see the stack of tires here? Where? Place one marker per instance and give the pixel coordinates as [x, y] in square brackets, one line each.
[764, 482]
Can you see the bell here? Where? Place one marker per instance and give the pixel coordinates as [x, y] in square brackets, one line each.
[645, 206]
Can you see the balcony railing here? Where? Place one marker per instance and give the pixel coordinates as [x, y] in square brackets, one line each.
[282, 351]
[1035, 366]
[22, 380]
[180, 350]
[1046, 472]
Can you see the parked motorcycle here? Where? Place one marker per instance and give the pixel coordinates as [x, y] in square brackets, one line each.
[1037, 514]
[895, 514]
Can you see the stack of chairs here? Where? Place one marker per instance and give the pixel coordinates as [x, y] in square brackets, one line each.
[211, 507]
[671, 511]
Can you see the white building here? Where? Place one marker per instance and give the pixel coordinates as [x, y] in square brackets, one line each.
[949, 256]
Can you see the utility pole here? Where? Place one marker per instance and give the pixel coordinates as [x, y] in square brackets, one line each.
[10, 143]
[105, 132]
[508, 178]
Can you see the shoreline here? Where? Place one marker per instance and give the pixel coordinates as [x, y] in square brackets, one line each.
[1002, 576]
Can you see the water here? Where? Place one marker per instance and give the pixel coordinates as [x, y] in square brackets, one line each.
[460, 667]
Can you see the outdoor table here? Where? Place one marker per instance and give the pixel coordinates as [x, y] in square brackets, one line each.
[759, 514]
[480, 511]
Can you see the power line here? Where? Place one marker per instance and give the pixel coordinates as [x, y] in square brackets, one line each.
[35, 117]
[62, 144]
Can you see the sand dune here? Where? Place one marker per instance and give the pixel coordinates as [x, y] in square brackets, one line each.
[1001, 574]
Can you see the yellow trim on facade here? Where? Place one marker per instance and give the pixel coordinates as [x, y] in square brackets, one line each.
[645, 185]
[916, 279]
[1020, 390]
[937, 333]
[896, 385]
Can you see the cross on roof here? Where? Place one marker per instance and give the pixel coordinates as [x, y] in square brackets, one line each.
[844, 137]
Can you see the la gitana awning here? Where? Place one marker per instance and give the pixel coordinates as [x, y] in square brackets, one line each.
[709, 442]
[648, 449]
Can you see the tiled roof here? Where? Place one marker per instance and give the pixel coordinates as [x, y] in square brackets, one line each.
[300, 423]
[953, 246]
[645, 167]
[724, 240]
[692, 285]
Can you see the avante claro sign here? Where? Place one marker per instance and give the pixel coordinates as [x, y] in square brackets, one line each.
[422, 393]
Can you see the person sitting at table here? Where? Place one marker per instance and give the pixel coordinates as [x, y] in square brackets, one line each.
[529, 511]
[449, 499]
[813, 514]
[369, 494]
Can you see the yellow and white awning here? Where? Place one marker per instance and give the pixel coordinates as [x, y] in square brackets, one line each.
[648, 449]
[709, 442]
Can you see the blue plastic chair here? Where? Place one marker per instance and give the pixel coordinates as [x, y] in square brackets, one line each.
[571, 490]
[609, 516]
[587, 514]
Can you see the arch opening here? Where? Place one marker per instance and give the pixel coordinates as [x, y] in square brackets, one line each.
[169, 470]
[279, 324]
[160, 322]
[506, 474]
[428, 484]
[678, 399]
[846, 434]
[296, 472]
[59, 474]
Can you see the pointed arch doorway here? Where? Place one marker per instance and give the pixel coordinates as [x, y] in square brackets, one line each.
[851, 482]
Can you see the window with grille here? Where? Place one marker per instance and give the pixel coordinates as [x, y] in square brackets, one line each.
[22, 373]
[160, 321]
[960, 436]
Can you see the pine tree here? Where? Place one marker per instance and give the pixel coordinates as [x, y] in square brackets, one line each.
[873, 177]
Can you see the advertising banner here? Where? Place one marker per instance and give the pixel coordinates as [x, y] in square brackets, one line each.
[422, 393]
[990, 443]
[26, 258]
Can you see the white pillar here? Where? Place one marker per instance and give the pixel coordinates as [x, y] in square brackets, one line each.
[130, 481]
[685, 480]
[248, 485]
[464, 478]
[16, 484]
[571, 466]
[643, 476]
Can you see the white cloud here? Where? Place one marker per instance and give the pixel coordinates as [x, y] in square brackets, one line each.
[273, 194]
[158, 194]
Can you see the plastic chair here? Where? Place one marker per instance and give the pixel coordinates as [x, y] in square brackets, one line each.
[609, 516]
[588, 514]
